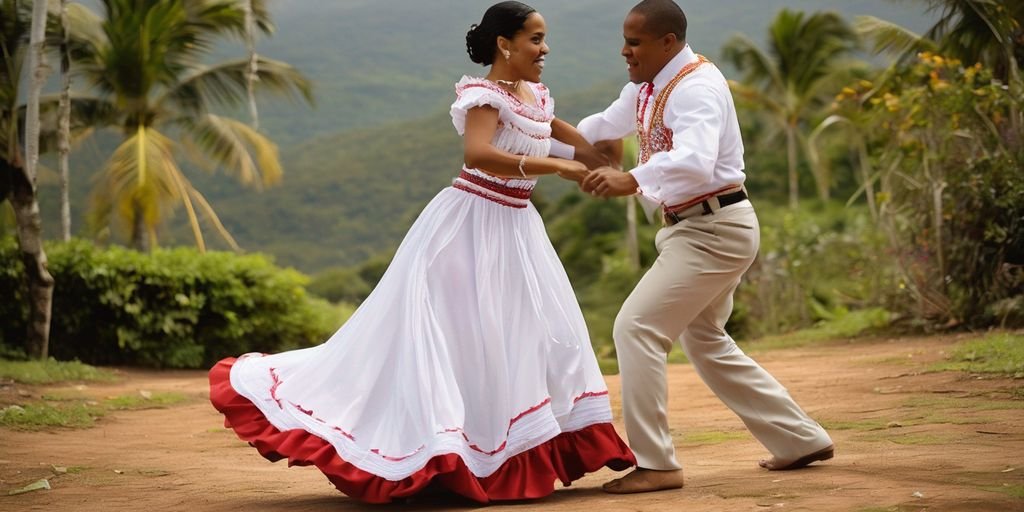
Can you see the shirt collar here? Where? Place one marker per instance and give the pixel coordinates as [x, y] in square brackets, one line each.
[673, 67]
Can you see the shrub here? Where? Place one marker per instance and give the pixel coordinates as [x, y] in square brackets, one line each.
[170, 308]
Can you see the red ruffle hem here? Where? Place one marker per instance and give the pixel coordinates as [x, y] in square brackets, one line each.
[530, 474]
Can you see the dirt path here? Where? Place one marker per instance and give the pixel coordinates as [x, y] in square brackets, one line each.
[906, 440]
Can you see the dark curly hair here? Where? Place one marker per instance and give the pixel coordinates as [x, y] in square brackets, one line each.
[501, 19]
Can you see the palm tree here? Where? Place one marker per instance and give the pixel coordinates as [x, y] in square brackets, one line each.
[793, 79]
[253, 71]
[21, 38]
[64, 124]
[144, 60]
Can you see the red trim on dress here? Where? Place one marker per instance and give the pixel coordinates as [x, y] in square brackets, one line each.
[530, 474]
[518, 105]
[487, 196]
[505, 190]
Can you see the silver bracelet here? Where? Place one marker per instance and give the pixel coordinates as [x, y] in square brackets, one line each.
[522, 165]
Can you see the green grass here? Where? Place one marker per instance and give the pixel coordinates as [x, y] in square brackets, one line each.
[977, 404]
[1015, 491]
[41, 416]
[1001, 353]
[711, 437]
[863, 425]
[137, 401]
[51, 372]
[849, 325]
[68, 411]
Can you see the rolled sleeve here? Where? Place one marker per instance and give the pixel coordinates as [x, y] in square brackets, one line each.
[616, 122]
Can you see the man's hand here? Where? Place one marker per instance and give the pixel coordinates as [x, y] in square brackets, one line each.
[608, 182]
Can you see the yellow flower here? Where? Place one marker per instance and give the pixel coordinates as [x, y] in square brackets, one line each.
[849, 92]
[938, 60]
[891, 102]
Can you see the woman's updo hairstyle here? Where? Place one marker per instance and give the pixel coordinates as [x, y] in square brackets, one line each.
[502, 19]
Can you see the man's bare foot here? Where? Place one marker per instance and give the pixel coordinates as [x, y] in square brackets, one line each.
[645, 480]
[774, 465]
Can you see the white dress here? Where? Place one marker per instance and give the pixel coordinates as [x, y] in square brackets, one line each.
[469, 365]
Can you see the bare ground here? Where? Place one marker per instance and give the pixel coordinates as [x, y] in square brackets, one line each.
[907, 439]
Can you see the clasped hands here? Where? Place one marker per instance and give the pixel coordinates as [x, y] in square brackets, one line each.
[596, 176]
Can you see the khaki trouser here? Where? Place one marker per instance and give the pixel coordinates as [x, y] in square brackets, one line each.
[687, 296]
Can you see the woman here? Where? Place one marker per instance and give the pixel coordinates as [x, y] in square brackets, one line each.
[469, 365]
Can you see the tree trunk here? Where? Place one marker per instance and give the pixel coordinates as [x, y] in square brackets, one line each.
[24, 199]
[64, 135]
[22, 194]
[632, 245]
[251, 75]
[864, 162]
[794, 180]
[140, 234]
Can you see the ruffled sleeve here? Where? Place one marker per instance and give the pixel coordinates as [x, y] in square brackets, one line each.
[544, 99]
[475, 92]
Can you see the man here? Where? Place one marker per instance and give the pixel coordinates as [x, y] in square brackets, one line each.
[691, 163]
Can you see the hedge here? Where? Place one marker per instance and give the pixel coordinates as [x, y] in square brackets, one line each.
[174, 308]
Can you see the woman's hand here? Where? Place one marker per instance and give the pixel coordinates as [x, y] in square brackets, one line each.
[572, 170]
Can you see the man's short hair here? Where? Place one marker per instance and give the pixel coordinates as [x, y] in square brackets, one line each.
[662, 17]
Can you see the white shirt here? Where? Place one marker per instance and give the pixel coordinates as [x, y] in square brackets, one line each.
[707, 150]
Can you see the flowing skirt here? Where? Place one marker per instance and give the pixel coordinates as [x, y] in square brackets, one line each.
[469, 365]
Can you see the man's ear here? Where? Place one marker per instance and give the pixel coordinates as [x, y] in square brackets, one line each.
[669, 41]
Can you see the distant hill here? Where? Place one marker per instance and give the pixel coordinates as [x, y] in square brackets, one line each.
[379, 143]
[378, 62]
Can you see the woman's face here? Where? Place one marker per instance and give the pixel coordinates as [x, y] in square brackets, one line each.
[527, 49]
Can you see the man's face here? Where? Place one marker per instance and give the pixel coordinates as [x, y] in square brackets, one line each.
[645, 53]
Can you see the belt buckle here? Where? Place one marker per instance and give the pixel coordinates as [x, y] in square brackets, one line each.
[671, 218]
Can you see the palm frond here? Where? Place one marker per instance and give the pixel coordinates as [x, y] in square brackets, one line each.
[139, 180]
[888, 37]
[757, 66]
[215, 220]
[243, 152]
[226, 84]
[87, 114]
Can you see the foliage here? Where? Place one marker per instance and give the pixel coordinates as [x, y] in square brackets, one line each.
[144, 61]
[841, 326]
[790, 81]
[51, 371]
[995, 353]
[172, 308]
[815, 264]
[80, 411]
[947, 153]
[339, 284]
[39, 416]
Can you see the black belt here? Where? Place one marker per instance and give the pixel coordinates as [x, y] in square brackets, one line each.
[704, 207]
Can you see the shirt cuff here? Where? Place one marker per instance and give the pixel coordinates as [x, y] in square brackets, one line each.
[560, 149]
[646, 177]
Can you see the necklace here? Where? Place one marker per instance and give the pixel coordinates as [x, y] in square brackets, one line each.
[513, 84]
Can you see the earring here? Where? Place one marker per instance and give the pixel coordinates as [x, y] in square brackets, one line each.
[508, 55]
